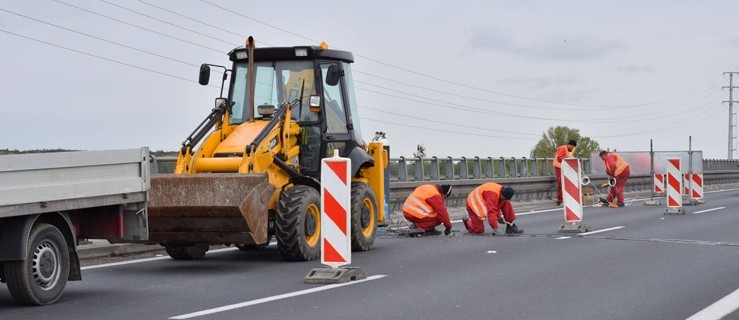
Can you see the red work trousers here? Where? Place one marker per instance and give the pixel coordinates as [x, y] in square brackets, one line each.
[425, 224]
[558, 174]
[476, 225]
[617, 191]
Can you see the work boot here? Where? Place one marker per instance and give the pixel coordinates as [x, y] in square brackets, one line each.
[412, 226]
[603, 201]
[432, 232]
[620, 205]
[512, 229]
[613, 205]
[464, 222]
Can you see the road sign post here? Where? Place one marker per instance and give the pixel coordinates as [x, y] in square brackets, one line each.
[336, 247]
[572, 197]
[674, 187]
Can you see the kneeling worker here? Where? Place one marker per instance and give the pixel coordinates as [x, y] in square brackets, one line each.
[425, 208]
[487, 202]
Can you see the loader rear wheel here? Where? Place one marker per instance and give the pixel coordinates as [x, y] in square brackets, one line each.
[298, 224]
[40, 279]
[364, 216]
[186, 252]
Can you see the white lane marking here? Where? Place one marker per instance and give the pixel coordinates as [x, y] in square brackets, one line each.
[719, 309]
[492, 251]
[709, 210]
[273, 298]
[601, 230]
[562, 238]
[113, 264]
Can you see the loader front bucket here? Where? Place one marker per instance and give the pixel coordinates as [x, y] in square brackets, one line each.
[209, 208]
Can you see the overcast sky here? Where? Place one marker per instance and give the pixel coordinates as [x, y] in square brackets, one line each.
[476, 78]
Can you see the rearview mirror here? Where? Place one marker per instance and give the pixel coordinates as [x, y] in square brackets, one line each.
[204, 77]
[333, 74]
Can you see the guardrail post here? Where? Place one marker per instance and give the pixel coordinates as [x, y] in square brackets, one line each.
[490, 168]
[419, 170]
[514, 168]
[545, 171]
[525, 171]
[502, 168]
[402, 170]
[449, 168]
[535, 171]
[477, 168]
[463, 171]
[434, 173]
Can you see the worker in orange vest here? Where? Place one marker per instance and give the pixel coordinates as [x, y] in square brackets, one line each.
[616, 168]
[425, 208]
[487, 202]
[563, 151]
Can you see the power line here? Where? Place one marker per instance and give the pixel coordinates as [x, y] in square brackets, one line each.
[166, 22]
[199, 21]
[99, 38]
[100, 57]
[435, 77]
[139, 27]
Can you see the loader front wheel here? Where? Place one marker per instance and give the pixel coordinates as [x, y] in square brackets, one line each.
[364, 216]
[186, 252]
[298, 224]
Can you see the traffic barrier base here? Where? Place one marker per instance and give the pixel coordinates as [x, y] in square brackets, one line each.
[334, 275]
[653, 202]
[674, 211]
[574, 227]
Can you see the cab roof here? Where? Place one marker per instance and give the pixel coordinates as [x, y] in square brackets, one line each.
[289, 53]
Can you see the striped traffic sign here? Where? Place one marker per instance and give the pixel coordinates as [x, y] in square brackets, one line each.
[674, 183]
[659, 183]
[335, 211]
[572, 190]
[697, 186]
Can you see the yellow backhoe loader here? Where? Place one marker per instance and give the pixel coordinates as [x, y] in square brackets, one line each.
[251, 170]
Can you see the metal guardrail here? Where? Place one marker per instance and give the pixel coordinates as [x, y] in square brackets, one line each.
[720, 164]
[533, 178]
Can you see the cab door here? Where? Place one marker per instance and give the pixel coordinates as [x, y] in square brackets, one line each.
[337, 135]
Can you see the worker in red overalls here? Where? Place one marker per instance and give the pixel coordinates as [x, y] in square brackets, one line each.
[563, 151]
[616, 168]
[487, 202]
[425, 208]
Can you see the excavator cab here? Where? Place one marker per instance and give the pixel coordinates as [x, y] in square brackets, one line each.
[251, 170]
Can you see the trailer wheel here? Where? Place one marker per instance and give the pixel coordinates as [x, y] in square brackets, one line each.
[41, 278]
[298, 224]
[364, 216]
[186, 252]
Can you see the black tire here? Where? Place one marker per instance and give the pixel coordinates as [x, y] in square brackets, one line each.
[254, 247]
[186, 252]
[41, 278]
[298, 230]
[364, 216]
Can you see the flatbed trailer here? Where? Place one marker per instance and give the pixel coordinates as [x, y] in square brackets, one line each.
[49, 201]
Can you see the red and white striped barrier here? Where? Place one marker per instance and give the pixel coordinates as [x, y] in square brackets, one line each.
[674, 186]
[697, 186]
[659, 183]
[572, 190]
[686, 184]
[335, 212]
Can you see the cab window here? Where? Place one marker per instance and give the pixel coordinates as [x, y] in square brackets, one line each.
[333, 101]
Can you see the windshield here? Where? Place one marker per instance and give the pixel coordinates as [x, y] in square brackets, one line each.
[276, 82]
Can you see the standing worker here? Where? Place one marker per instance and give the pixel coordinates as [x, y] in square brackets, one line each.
[563, 151]
[616, 168]
[425, 208]
[487, 202]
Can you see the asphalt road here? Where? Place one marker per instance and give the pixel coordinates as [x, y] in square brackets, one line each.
[652, 267]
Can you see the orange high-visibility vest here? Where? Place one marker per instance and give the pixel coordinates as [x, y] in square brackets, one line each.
[416, 204]
[621, 165]
[571, 154]
[475, 201]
